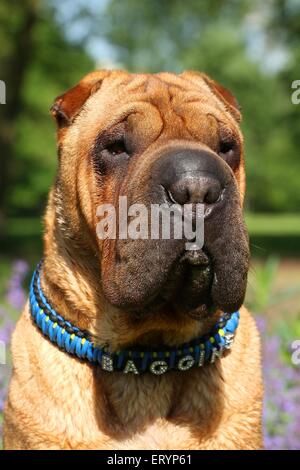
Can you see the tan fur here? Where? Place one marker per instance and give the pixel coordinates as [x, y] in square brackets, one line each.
[58, 402]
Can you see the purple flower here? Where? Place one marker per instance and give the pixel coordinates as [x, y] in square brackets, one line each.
[282, 400]
[16, 296]
[20, 267]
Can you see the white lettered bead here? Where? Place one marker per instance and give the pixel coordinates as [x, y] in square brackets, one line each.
[158, 367]
[186, 362]
[216, 353]
[201, 358]
[130, 367]
[107, 363]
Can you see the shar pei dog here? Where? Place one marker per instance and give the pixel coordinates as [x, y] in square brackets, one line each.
[136, 341]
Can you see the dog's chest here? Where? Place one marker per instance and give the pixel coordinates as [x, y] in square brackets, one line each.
[160, 435]
[156, 414]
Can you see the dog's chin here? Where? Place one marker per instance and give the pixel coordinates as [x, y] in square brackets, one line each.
[185, 298]
[186, 292]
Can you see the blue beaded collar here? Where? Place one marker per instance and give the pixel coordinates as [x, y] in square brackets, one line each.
[78, 342]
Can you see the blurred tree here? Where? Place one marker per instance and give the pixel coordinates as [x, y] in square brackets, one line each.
[283, 29]
[16, 30]
[37, 64]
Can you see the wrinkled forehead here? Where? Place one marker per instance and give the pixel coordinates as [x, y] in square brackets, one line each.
[152, 105]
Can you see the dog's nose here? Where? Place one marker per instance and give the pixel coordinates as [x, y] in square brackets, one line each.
[195, 189]
[191, 176]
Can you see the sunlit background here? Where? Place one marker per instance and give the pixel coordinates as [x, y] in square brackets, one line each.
[251, 47]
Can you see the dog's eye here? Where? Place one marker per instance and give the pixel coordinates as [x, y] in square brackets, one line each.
[226, 147]
[116, 148]
[229, 152]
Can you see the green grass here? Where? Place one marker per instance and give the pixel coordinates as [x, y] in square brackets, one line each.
[273, 224]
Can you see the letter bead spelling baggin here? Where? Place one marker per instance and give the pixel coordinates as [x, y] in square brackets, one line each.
[201, 358]
[186, 362]
[130, 367]
[107, 363]
[216, 353]
[158, 367]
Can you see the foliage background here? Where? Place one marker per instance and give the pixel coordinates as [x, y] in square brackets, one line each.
[251, 47]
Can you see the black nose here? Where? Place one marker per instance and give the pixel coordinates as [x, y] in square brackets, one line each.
[195, 189]
[191, 176]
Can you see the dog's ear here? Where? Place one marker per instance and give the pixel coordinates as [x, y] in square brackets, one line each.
[67, 106]
[221, 92]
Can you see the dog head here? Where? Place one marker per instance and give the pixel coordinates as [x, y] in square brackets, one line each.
[155, 139]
